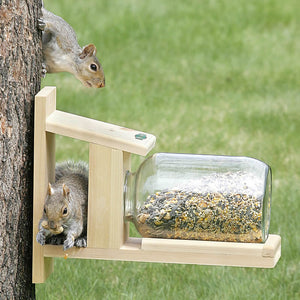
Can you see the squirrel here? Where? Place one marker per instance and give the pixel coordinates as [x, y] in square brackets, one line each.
[64, 219]
[61, 52]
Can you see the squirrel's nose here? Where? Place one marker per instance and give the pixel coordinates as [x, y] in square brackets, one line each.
[101, 84]
[52, 225]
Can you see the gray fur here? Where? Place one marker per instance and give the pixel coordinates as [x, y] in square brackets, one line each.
[62, 53]
[71, 167]
[69, 191]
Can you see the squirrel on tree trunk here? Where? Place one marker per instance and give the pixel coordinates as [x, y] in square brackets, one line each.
[61, 52]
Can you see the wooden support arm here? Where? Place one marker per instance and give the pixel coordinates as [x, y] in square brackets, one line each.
[100, 133]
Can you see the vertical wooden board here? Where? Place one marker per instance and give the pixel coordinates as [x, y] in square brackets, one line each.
[105, 208]
[44, 165]
[117, 201]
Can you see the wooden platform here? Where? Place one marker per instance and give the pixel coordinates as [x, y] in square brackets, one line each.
[183, 252]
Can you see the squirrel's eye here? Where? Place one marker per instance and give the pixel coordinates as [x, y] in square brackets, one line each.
[65, 211]
[93, 67]
[45, 210]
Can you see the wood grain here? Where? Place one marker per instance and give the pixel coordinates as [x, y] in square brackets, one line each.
[183, 252]
[44, 172]
[101, 133]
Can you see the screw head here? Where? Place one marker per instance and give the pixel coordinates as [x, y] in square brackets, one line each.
[140, 136]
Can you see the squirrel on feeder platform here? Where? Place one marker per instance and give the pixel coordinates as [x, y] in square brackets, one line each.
[64, 219]
[61, 52]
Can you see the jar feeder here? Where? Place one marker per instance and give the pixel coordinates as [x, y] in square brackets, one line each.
[110, 149]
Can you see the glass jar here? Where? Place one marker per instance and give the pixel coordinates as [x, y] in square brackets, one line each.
[200, 197]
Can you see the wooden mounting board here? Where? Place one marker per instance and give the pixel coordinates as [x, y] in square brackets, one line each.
[183, 252]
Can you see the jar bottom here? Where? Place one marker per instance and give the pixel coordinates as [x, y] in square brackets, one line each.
[148, 232]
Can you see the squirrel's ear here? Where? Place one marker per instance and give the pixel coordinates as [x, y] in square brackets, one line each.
[50, 190]
[66, 190]
[88, 50]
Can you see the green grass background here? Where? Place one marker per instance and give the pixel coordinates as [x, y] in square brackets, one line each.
[205, 77]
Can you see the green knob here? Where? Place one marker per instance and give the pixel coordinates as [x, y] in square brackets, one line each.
[140, 136]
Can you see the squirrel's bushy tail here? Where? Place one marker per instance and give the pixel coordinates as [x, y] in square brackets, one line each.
[71, 167]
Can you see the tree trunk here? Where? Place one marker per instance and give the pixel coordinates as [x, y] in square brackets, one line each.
[20, 65]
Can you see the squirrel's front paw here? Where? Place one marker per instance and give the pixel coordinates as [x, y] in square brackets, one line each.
[68, 243]
[40, 238]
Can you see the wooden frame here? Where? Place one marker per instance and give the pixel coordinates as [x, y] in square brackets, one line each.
[110, 147]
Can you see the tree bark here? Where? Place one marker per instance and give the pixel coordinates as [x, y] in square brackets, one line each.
[20, 65]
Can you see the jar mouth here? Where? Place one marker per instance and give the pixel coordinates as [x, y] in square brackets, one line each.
[128, 196]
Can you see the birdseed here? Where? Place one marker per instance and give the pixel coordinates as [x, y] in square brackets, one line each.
[216, 216]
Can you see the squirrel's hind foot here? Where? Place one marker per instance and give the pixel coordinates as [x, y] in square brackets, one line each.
[41, 24]
[44, 70]
[81, 242]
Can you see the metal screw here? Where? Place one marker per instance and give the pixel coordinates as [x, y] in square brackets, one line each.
[140, 136]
